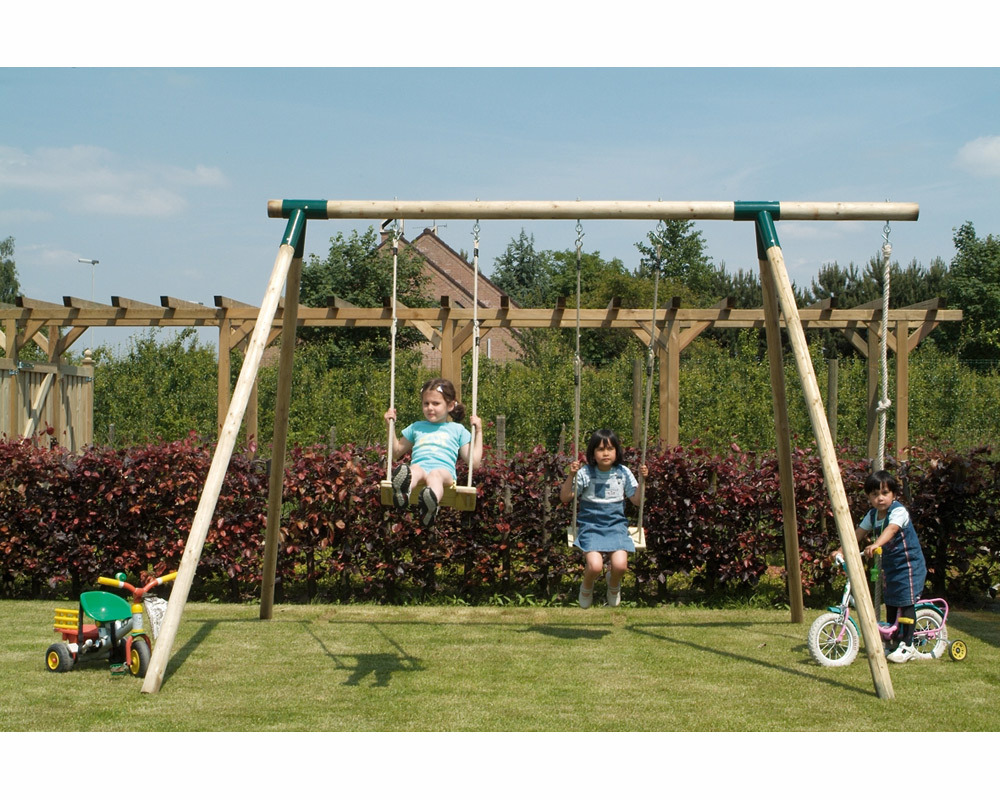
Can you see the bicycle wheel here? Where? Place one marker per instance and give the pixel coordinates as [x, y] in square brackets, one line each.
[927, 639]
[832, 643]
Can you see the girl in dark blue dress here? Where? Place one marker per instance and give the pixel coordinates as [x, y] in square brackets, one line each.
[602, 484]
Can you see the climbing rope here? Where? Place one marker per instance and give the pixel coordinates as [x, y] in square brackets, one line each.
[884, 403]
[577, 364]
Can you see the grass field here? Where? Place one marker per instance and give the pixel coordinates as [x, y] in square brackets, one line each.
[368, 668]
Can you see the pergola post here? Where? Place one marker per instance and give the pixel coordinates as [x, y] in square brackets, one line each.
[902, 392]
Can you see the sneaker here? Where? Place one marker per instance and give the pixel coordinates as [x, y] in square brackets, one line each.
[614, 595]
[902, 654]
[428, 506]
[586, 597]
[401, 486]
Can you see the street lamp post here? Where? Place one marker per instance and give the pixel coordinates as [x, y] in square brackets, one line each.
[93, 270]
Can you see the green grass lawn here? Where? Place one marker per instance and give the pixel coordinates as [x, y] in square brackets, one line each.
[368, 668]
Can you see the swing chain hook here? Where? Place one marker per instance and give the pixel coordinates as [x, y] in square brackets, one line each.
[475, 231]
[579, 235]
[661, 232]
[886, 245]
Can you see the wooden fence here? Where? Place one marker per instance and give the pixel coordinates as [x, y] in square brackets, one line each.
[36, 397]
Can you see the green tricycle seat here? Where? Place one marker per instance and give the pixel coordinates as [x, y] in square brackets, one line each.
[104, 606]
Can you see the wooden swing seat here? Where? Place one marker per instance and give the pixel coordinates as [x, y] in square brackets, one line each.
[637, 534]
[462, 498]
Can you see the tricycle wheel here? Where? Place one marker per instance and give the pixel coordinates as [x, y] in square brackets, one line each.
[138, 662]
[957, 650]
[58, 658]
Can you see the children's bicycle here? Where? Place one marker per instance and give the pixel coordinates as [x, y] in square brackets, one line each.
[834, 638]
[108, 627]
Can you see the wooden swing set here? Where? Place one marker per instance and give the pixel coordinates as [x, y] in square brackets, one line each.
[779, 301]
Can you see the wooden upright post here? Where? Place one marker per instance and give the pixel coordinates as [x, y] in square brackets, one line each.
[783, 441]
[636, 402]
[279, 443]
[831, 469]
[902, 426]
[223, 453]
[670, 391]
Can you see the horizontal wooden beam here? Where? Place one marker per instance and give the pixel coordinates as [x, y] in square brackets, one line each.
[590, 209]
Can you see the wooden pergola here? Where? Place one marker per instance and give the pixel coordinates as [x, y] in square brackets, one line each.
[449, 329]
[779, 309]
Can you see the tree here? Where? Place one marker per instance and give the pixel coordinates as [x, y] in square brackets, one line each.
[678, 249]
[358, 270]
[10, 289]
[9, 286]
[974, 286]
[156, 389]
[524, 273]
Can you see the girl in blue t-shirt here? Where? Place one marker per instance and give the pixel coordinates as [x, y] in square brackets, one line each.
[436, 444]
[601, 527]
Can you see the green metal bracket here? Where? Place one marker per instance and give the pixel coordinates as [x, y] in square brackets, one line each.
[767, 235]
[313, 209]
[295, 232]
[746, 211]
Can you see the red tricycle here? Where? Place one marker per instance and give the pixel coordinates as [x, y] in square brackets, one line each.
[106, 626]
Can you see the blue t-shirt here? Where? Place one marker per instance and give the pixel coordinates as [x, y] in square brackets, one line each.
[436, 444]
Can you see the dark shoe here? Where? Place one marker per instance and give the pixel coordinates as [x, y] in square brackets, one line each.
[428, 507]
[401, 486]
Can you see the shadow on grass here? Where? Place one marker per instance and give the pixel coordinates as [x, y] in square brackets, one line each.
[380, 666]
[177, 659]
[638, 628]
[568, 632]
[981, 624]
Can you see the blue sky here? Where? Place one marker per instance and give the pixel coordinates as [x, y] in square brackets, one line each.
[163, 174]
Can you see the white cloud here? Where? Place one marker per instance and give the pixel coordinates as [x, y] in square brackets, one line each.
[980, 156]
[98, 181]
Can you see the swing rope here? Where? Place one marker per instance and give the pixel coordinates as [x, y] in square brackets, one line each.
[650, 356]
[475, 339]
[884, 403]
[577, 363]
[392, 348]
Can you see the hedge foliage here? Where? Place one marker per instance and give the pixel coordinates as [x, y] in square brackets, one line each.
[713, 524]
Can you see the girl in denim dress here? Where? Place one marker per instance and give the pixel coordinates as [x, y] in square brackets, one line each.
[602, 485]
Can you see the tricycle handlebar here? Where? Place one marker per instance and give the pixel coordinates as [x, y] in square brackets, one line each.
[137, 593]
